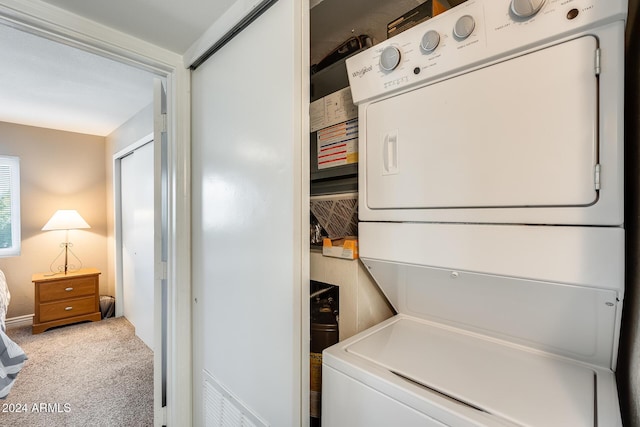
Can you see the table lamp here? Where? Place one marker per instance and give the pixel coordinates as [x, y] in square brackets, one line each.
[65, 219]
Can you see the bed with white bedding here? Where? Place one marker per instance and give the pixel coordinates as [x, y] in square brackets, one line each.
[12, 357]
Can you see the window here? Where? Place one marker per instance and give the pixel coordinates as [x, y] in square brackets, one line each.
[9, 206]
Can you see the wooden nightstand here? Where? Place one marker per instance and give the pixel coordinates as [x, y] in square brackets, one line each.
[61, 299]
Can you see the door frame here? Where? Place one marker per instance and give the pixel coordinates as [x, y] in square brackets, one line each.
[55, 24]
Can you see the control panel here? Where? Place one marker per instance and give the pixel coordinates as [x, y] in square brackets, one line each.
[469, 35]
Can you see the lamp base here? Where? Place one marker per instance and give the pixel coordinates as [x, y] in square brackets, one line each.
[66, 267]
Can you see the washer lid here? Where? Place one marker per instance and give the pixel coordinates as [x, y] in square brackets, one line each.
[528, 388]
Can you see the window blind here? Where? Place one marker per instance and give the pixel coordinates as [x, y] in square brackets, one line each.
[9, 206]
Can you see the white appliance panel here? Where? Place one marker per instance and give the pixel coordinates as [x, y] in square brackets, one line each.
[459, 361]
[362, 385]
[372, 409]
[496, 34]
[494, 377]
[583, 256]
[490, 138]
[556, 289]
[497, 39]
[571, 321]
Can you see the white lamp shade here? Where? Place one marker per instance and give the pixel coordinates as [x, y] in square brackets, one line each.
[65, 219]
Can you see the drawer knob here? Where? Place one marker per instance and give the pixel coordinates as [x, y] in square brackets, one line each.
[68, 308]
[68, 289]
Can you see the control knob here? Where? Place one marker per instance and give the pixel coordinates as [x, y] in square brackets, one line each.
[430, 41]
[464, 27]
[526, 8]
[389, 58]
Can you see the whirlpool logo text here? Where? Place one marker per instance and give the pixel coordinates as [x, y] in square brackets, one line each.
[361, 72]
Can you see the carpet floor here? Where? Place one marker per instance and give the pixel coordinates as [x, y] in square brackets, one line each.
[88, 374]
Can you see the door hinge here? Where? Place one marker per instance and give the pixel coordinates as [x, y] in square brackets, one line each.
[597, 62]
[164, 415]
[164, 122]
[597, 176]
[161, 270]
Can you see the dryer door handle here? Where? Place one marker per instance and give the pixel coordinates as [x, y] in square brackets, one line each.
[390, 153]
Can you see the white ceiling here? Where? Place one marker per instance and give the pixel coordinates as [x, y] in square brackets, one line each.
[172, 24]
[51, 85]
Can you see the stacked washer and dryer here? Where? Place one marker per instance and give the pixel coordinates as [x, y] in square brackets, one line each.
[491, 209]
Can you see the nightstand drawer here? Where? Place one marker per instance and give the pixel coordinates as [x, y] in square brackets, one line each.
[68, 308]
[67, 289]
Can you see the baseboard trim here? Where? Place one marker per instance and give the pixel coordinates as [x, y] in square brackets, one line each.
[14, 322]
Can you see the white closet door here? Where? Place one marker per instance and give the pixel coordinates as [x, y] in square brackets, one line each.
[137, 240]
[248, 178]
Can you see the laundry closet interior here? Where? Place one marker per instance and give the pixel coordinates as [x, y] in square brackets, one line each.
[344, 297]
[338, 30]
[467, 212]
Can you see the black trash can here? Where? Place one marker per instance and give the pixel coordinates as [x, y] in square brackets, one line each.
[107, 306]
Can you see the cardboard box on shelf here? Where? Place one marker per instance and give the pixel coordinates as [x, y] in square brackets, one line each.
[346, 247]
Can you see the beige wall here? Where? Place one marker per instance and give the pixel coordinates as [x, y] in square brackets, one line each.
[58, 170]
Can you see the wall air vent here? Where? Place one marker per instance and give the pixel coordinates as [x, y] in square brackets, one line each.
[223, 409]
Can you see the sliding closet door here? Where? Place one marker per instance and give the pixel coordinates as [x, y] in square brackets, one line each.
[249, 180]
[136, 171]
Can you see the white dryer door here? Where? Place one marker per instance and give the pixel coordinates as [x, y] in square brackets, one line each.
[519, 133]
